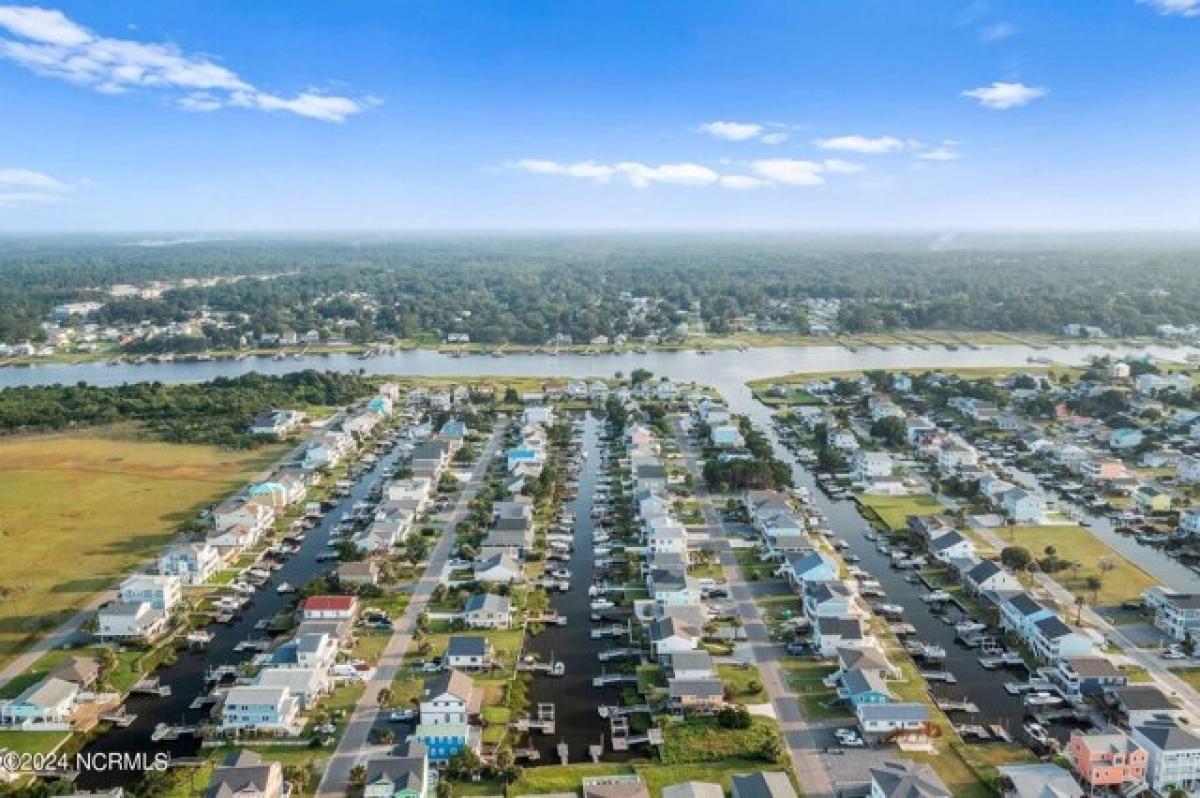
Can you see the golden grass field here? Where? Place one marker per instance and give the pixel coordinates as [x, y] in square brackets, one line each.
[78, 510]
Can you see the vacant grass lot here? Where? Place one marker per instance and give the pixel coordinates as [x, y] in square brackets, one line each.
[893, 510]
[1071, 542]
[79, 510]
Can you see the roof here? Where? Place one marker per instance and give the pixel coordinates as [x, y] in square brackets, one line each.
[1143, 697]
[691, 661]
[1094, 667]
[857, 682]
[1052, 628]
[775, 784]
[487, 602]
[49, 692]
[946, 541]
[80, 670]
[902, 712]
[241, 771]
[908, 780]
[615, 787]
[1025, 604]
[1167, 736]
[693, 789]
[1042, 780]
[700, 688]
[405, 772]
[454, 682]
[857, 658]
[467, 646]
[983, 571]
[329, 603]
[843, 627]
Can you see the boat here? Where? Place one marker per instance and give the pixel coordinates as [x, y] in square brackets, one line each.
[285, 587]
[1037, 732]
[968, 627]
[602, 604]
[936, 596]
[1042, 698]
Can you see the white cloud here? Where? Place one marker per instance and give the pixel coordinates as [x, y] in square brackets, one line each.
[732, 131]
[788, 171]
[998, 31]
[861, 144]
[838, 166]
[583, 169]
[682, 174]
[769, 133]
[762, 173]
[743, 182]
[28, 187]
[1178, 8]
[946, 151]
[1002, 96]
[49, 44]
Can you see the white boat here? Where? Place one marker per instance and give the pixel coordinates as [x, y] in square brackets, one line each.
[285, 587]
[602, 604]
[967, 627]
[1038, 732]
[1042, 699]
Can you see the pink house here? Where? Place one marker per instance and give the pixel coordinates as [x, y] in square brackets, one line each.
[1106, 759]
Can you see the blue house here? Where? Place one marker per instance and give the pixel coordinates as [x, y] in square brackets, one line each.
[521, 454]
[864, 687]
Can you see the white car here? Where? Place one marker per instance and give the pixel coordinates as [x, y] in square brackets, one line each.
[848, 738]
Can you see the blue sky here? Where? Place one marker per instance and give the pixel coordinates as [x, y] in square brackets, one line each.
[797, 114]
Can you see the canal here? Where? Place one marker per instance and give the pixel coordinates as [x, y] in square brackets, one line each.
[186, 676]
[576, 701]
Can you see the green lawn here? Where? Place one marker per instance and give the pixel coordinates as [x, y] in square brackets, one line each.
[1125, 581]
[705, 741]
[37, 742]
[743, 679]
[806, 679]
[893, 510]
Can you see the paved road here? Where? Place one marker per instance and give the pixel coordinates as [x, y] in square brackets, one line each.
[799, 733]
[66, 633]
[354, 747]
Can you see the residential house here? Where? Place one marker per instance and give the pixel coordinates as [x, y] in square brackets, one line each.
[162, 593]
[988, 577]
[192, 563]
[306, 685]
[669, 636]
[450, 704]
[488, 611]
[1023, 507]
[48, 702]
[951, 546]
[1081, 677]
[467, 653]
[269, 709]
[868, 465]
[329, 608]
[1040, 780]
[893, 779]
[499, 568]
[809, 567]
[1140, 704]
[244, 774]
[1172, 756]
[1106, 759]
[884, 721]
[831, 633]
[691, 665]
[764, 784]
[402, 774]
[726, 436]
[705, 694]
[358, 573]
[863, 687]
[130, 621]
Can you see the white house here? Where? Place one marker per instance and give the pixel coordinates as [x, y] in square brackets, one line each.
[1024, 507]
[951, 546]
[450, 699]
[123, 621]
[867, 465]
[49, 701]
[488, 611]
[726, 436]
[270, 709]
[192, 563]
[1174, 756]
[329, 608]
[887, 719]
[160, 592]
[307, 685]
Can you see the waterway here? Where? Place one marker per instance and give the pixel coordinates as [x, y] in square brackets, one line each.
[186, 676]
[726, 371]
[576, 701]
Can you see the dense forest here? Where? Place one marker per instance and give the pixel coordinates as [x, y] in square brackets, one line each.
[527, 289]
[216, 412]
